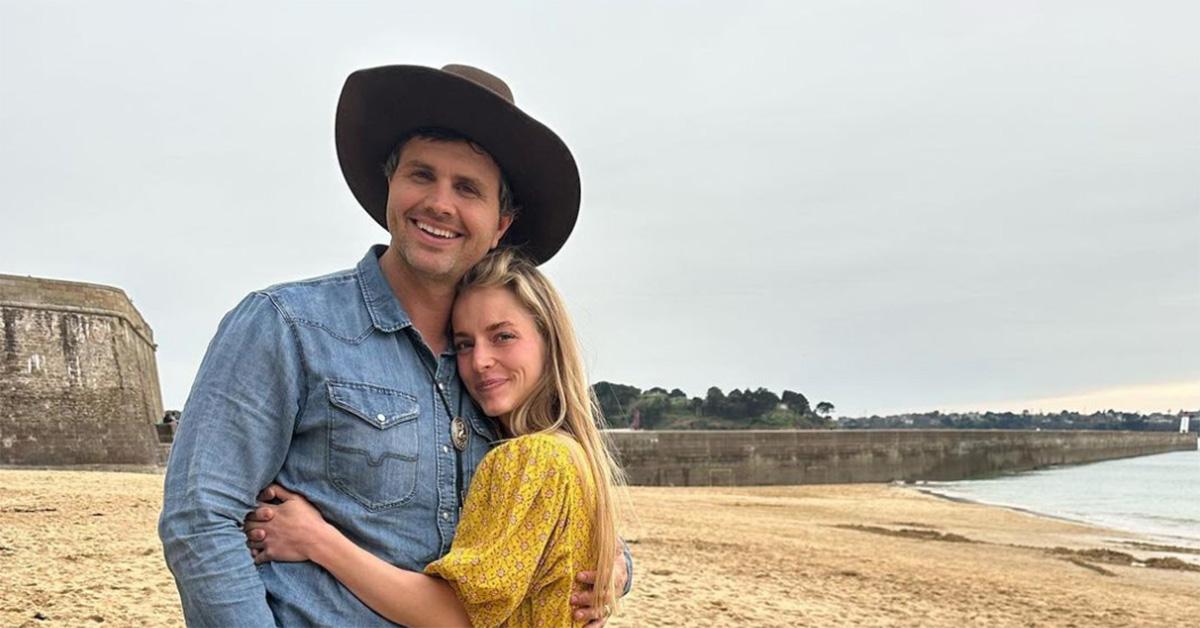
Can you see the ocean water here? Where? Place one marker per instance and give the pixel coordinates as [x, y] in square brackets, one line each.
[1157, 496]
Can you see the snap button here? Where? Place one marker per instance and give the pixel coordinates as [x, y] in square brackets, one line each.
[380, 418]
[445, 515]
[445, 449]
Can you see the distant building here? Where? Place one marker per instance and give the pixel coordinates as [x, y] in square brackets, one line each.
[78, 377]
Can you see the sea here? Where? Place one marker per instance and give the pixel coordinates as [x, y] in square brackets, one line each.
[1155, 496]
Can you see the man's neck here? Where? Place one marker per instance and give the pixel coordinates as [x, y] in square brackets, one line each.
[427, 301]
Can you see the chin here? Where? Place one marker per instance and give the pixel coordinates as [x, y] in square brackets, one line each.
[497, 409]
[428, 262]
[433, 264]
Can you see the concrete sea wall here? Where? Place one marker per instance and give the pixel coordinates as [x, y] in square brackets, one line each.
[748, 458]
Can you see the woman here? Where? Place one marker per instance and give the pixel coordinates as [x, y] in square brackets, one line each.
[541, 506]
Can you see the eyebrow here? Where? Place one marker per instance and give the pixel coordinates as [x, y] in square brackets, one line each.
[417, 163]
[492, 327]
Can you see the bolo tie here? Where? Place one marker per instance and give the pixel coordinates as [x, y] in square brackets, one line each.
[458, 427]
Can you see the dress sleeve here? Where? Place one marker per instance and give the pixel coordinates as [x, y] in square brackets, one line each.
[508, 540]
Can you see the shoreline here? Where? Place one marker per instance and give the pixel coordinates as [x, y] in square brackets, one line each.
[1186, 546]
[80, 547]
[1147, 496]
[1155, 546]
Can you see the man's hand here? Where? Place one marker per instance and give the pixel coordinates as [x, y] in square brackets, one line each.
[584, 601]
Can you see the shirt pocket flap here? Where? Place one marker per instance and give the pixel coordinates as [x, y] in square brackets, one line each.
[378, 406]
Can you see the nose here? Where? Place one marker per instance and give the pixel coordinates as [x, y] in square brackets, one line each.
[481, 358]
[440, 198]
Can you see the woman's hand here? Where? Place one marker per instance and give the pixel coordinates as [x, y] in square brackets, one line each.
[289, 531]
[586, 606]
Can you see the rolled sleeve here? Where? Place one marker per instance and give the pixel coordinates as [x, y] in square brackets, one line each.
[233, 436]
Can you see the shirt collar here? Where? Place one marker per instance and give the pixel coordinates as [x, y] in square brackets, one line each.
[386, 312]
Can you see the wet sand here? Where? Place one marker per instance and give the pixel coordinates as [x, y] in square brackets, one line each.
[79, 548]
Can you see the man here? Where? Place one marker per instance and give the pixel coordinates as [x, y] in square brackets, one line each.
[343, 387]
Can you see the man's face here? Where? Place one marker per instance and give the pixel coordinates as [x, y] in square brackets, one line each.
[443, 207]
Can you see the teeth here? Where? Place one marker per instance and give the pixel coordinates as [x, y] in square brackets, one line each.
[430, 229]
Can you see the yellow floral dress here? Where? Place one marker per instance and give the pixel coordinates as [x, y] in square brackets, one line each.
[525, 532]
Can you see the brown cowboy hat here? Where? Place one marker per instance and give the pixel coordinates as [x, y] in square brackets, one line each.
[379, 105]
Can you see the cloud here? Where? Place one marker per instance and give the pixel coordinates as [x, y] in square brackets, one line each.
[1163, 397]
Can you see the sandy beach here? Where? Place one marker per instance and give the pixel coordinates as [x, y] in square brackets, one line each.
[79, 548]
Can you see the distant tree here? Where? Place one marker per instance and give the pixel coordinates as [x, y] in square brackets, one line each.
[825, 408]
[616, 401]
[714, 402]
[778, 418]
[676, 393]
[796, 402]
[735, 406]
[653, 408]
[761, 402]
[1133, 422]
[656, 390]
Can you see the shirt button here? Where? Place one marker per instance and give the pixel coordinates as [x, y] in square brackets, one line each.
[445, 449]
[380, 418]
[445, 515]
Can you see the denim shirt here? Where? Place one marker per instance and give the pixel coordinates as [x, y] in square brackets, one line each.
[325, 387]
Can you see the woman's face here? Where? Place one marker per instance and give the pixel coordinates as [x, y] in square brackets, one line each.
[501, 355]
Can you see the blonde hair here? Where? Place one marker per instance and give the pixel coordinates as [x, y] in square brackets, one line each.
[562, 401]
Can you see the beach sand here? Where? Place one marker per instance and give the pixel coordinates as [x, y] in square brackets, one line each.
[79, 548]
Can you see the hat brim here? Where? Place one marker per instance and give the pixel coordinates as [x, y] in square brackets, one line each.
[379, 105]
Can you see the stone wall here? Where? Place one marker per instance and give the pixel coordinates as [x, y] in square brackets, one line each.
[78, 377]
[747, 458]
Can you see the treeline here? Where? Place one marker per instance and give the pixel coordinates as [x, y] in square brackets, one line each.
[656, 408]
[1065, 420]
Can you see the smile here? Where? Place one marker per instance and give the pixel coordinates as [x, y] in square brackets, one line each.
[489, 384]
[435, 231]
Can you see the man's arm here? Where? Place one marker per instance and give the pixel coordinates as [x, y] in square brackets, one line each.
[627, 558]
[233, 437]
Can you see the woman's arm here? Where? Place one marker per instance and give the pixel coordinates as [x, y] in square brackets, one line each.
[295, 531]
[402, 596]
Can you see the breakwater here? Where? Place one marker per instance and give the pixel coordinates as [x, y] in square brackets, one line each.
[761, 457]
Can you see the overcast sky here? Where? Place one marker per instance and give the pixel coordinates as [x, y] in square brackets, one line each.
[886, 205]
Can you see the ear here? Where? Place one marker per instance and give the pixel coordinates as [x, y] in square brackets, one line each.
[505, 223]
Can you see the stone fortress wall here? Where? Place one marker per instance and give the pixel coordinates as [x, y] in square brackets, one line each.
[78, 377]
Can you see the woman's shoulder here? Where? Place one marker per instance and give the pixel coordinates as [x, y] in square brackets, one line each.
[541, 450]
[555, 446]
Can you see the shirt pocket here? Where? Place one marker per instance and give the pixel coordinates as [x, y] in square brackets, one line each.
[373, 444]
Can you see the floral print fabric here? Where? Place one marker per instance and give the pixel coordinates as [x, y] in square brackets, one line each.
[525, 532]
